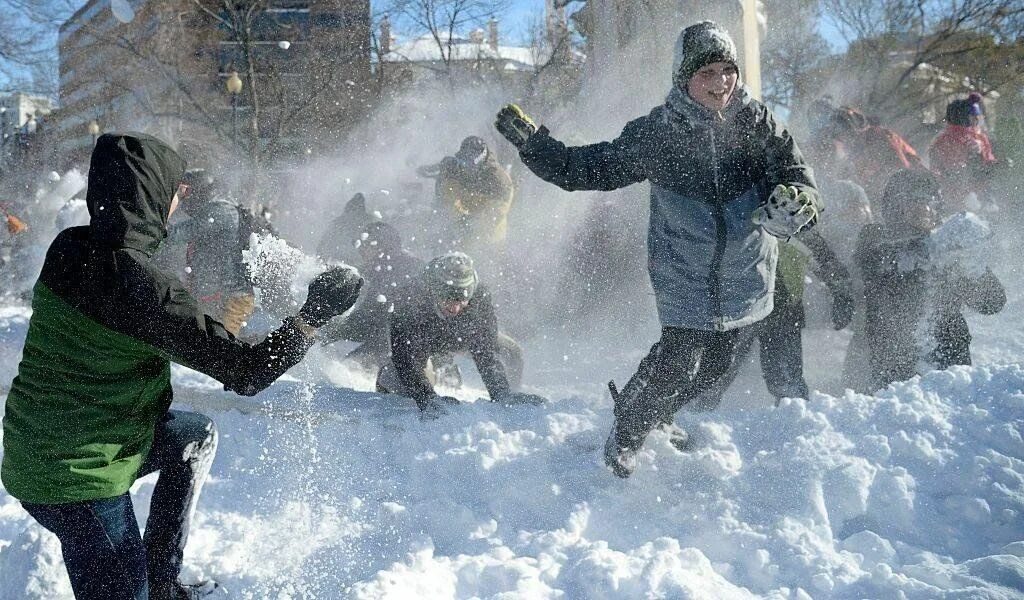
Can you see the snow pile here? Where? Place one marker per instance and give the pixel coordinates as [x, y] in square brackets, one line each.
[331, 493]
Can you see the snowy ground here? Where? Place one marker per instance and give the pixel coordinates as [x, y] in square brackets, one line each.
[319, 491]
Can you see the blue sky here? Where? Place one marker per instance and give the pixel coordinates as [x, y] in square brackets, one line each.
[519, 16]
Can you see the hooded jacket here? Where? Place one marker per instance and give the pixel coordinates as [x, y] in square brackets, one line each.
[962, 157]
[478, 197]
[94, 377]
[711, 267]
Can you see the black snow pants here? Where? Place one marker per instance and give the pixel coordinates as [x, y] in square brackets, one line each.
[780, 343]
[683, 364]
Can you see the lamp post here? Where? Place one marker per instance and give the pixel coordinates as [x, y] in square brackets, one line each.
[234, 85]
[94, 130]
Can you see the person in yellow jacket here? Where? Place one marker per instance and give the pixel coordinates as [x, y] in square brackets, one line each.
[473, 193]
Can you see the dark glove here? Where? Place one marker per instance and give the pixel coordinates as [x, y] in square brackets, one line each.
[842, 310]
[514, 398]
[515, 125]
[332, 292]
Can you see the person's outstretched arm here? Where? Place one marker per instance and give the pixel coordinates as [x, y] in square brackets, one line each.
[785, 164]
[168, 318]
[605, 166]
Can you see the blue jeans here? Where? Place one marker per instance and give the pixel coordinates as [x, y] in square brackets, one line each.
[105, 556]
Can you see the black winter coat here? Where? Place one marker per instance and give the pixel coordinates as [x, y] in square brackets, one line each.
[418, 332]
[896, 288]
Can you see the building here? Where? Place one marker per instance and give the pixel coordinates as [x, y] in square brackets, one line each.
[477, 57]
[22, 116]
[303, 67]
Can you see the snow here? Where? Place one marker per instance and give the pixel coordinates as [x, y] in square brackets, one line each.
[326, 492]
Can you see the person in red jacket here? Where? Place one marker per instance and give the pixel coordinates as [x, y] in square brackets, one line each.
[872, 152]
[962, 156]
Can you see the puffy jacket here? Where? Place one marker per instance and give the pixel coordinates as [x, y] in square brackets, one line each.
[962, 158]
[94, 377]
[711, 267]
[875, 154]
[418, 332]
[897, 286]
[477, 197]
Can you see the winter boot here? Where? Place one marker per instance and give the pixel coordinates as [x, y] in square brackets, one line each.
[175, 590]
[677, 436]
[620, 450]
[620, 459]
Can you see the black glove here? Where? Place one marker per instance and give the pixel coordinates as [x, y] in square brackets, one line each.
[515, 125]
[332, 292]
[513, 398]
[842, 310]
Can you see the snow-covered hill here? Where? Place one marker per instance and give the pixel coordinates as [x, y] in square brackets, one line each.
[324, 492]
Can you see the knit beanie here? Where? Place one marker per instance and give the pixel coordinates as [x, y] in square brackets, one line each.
[700, 45]
[958, 112]
[451, 277]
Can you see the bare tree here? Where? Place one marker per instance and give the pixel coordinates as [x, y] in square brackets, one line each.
[895, 44]
[301, 87]
[792, 52]
[28, 57]
[444, 21]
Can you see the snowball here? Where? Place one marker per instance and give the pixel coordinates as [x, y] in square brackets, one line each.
[284, 44]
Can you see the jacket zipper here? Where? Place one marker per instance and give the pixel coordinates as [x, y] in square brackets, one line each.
[718, 212]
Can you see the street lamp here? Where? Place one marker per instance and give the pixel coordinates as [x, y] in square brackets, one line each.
[94, 130]
[234, 85]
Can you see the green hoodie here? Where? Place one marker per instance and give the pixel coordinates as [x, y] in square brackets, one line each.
[94, 378]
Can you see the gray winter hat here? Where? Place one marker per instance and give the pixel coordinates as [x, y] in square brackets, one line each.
[452, 277]
[699, 45]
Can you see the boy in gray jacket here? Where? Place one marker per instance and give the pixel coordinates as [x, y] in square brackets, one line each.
[726, 181]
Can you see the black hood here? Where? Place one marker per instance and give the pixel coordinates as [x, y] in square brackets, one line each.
[132, 178]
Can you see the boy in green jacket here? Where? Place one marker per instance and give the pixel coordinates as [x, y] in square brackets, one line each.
[88, 413]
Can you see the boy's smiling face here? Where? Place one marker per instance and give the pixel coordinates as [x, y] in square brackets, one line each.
[713, 84]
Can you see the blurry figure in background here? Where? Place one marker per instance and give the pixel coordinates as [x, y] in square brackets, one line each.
[215, 236]
[820, 147]
[1008, 187]
[867, 153]
[445, 310]
[473, 195]
[727, 181]
[13, 228]
[918, 279]
[604, 264]
[386, 268]
[780, 334]
[337, 245]
[848, 212]
[962, 158]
